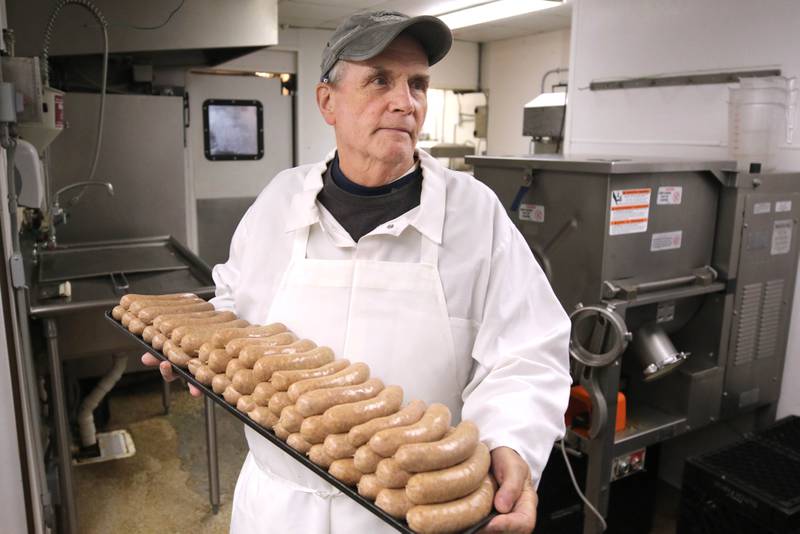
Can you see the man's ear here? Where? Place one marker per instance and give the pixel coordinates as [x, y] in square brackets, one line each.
[325, 102]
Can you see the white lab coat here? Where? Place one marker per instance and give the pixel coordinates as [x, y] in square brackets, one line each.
[508, 332]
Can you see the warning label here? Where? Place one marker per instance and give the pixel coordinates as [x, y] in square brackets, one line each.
[630, 211]
[669, 195]
[666, 241]
[531, 212]
[781, 237]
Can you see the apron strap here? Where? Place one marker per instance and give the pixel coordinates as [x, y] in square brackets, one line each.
[428, 252]
[300, 243]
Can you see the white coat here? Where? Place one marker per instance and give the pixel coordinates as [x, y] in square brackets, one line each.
[445, 300]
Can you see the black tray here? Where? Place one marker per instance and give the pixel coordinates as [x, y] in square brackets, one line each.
[398, 524]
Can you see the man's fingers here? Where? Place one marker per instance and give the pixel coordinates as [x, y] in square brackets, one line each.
[521, 519]
[166, 371]
[149, 359]
[195, 392]
[511, 482]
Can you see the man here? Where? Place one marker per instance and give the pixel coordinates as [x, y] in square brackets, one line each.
[391, 259]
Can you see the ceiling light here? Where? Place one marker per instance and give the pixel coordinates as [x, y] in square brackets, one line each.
[492, 11]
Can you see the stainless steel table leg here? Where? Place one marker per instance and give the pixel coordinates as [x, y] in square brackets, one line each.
[213, 463]
[165, 396]
[63, 437]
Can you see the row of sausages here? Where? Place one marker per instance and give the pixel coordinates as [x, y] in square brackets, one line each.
[406, 458]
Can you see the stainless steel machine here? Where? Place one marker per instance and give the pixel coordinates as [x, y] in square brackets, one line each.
[679, 277]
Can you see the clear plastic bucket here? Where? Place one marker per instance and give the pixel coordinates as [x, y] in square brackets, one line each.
[761, 116]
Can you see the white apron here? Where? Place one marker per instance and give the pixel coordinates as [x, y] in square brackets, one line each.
[389, 315]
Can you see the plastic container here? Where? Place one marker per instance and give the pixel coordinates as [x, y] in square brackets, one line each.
[761, 116]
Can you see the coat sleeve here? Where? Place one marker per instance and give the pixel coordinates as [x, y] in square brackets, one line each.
[227, 275]
[520, 386]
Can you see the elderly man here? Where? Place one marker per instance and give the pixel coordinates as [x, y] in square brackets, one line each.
[391, 259]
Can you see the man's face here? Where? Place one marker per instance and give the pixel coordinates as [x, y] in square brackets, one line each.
[377, 107]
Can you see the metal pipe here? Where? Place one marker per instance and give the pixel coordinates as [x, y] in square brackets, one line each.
[88, 431]
[213, 463]
[549, 72]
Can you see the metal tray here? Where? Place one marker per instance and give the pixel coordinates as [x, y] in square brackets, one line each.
[397, 524]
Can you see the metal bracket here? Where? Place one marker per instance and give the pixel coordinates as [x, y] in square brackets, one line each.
[527, 181]
[684, 79]
[17, 269]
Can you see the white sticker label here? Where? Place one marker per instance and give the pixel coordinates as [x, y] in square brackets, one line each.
[761, 207]
[630, 210]
[531, 212]
[666, 241]
[669, 195]
[783, 205]
[781, 237]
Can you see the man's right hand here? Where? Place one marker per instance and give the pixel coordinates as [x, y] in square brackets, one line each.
[166, 371]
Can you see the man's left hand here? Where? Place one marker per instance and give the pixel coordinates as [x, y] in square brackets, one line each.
[515, 499]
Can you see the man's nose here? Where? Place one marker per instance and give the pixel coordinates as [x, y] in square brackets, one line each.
[402, 99]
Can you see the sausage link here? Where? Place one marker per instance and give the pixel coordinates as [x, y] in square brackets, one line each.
[205, 375]
[175, 354]
[220, 383]
[317, 455]
[280, 432]
[149, 314]
[231, 396]
[283, 379]
[262, 393]
[342, 418]
[235, 347]
[222, 337]
[351, 375]
[298, 443]
[139, 305]
[312, 359]
[313, 430]
[344, 470]
[233, 366]
[194, 365]
[244, 382]
[390, 475]
[409, 415]
[117, 312]
[448, 451]
[369, 487]
[127, 317]
[262, 416]
[148, 333]
[197, 335]
[253, 352]
[245, 403]
[130, 298]
[158, 341]
[394, 502]
[366, 460]
[450, 483]
[218, 360]
[170, 321]
[317, 401]
[291, 419]
[337, 446]
[204, 352]
[431, 427]
[278, 402]
[136, 326]
[453, 516]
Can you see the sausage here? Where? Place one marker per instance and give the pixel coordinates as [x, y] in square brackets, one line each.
[366, 460]
[337, 446]
[344, 470]
[220, 383]
[342, 418]
[117, 312]
[139, 305]
[317, 401]
[262, 393]
[233, 366]
[235, 346]
[231, 396]
[298, 443]
[127, 317]
[262, 416]
[158, 341]
[245, 403]
[130, 298]
[205, 375]
[448, 451]
[313, 430]
[317, 455]
[252, 352]
[278, 402]
[193, 365]
[390, 475]
[453, 516]
[244, 382]
[176, 355]
[218, 360]
[149, 314]
[148, 333]
[290, 419]
[221, 338]
[283, 379]
[351, 375]
[204, 352]
[136, 326]
[312, 359]
[168, 322]
[281, 432]
[394, 502]
[369, 487]
[409, 415]
[431, 427]
[450, 483]
[196, 335]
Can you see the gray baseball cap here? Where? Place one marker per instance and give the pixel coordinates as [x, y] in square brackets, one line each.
[366, 34]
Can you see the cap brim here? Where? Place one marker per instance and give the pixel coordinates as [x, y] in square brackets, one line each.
[433, 34]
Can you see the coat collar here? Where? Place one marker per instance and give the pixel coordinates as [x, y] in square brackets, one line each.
[428, 220]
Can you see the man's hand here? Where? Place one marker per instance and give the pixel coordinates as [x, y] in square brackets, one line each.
[166, 371]
[515, 499]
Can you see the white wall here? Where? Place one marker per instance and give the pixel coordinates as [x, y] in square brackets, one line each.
[511, 74]
[631, 38]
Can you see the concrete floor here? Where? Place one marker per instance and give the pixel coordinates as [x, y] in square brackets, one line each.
[164, 486]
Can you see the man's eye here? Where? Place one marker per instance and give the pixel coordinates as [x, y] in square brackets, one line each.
[379, 81]
[419, 86]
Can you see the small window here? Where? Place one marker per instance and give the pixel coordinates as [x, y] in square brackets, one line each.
[233, 129]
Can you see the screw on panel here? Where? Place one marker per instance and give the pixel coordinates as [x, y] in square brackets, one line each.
[724, 393]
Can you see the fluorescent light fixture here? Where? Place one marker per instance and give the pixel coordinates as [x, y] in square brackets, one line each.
[492, 11]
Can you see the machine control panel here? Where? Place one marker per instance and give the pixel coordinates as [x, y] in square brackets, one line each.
[627, 464]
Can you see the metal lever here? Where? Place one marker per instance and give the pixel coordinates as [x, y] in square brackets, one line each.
[120, 282]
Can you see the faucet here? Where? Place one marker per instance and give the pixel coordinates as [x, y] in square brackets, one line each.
[58, 215]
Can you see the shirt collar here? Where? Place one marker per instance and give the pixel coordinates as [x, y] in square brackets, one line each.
[428, 220]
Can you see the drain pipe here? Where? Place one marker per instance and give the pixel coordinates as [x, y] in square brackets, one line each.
[86, 415]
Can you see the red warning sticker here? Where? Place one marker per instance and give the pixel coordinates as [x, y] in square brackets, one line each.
[629, 211]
